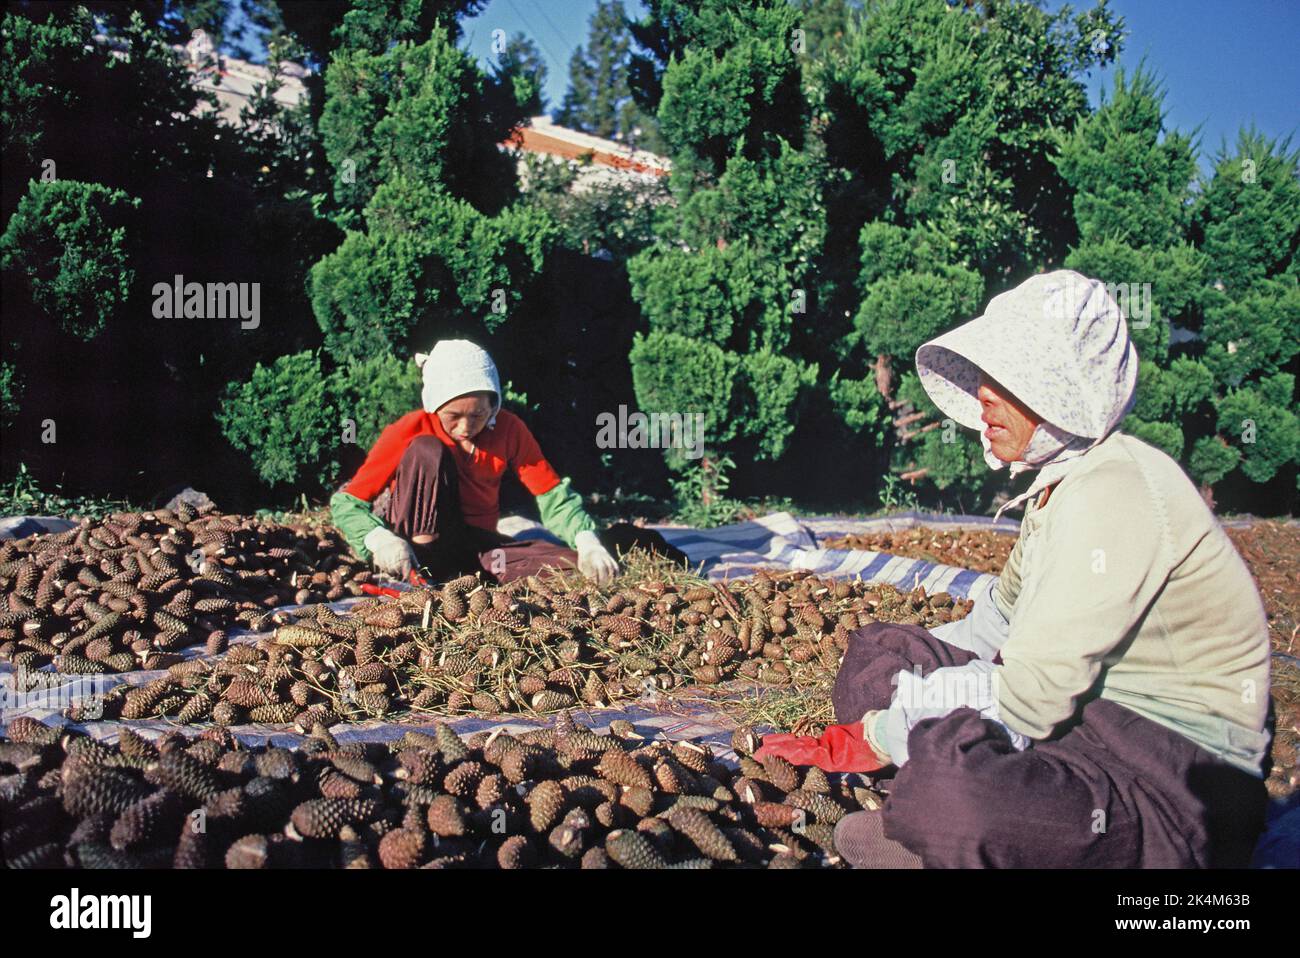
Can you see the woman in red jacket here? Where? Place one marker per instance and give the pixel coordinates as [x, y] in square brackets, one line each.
[442, 467]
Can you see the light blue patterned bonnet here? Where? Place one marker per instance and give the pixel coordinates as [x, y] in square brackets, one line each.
[1059, 342]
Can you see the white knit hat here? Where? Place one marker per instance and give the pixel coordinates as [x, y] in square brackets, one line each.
[1059, 342]
[455, 367]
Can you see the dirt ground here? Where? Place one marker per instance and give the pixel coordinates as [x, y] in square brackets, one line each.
[1271, 550]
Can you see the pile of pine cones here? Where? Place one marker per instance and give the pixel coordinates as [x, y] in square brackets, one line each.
[534, 645]
[552, 797]
[130, 591]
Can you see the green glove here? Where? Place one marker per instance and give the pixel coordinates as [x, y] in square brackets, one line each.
[563, 514]
[353, 518]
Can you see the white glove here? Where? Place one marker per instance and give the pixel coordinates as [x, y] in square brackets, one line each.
[392, 554]
[594, 560]
[936, 695]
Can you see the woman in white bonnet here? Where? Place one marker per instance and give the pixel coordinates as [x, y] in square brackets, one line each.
[1106, 702]
[442, 467]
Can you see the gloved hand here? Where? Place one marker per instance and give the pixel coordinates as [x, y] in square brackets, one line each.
[594, 560]
[392, 554]
[936, 695]
[841, 748]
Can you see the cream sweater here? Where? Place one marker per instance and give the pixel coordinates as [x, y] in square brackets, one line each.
[1124, 585]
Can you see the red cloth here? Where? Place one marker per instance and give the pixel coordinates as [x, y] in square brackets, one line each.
[509, 445]
[841, 748]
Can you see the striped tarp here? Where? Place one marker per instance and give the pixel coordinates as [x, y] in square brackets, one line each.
[780, 541]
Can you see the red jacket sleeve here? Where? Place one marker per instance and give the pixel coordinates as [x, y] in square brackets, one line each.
[382, 461]
[527, 461]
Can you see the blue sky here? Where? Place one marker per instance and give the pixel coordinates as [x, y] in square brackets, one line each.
[1224, 63]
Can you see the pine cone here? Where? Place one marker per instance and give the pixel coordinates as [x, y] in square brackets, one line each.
[522, 763]
[631, 849]
[637, 799]
[706, 836]
[324, 817]
[101, 789]
[403, 848]
[463, 780]
[302, 637]
[569, 837]
[184, 773]
[454, 607]
[546, 803]
[28, 730]
[622, 768]
[279, 713]
[781, 773]
[815, 781]
[420, 766]
[548, 700]
[595, 858]
[776, 815]
[449, 743]
[227, 713]
[446, 817]
[148, 820]
[332, 783]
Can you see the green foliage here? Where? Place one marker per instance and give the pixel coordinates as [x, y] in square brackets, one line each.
[1140, 221]
[737, 90]
[30, 55]
[523, 68]
[940, 124]
[944, 116]
[1212, 459]
[700, 499]
[375, 25]
[419, 112]
[1262, 420]
[22, 495]
[292, 418]
[55, 79]
[1256, 333]
[953, 460]
[11, 391]
[909, 297]
[952, 456]
[412, 133]
[824, 23]
[286, 417]
[728, 284]
[686, 293]
[895, 497]
[1116, 158]
[375, 391]
[1249, 212]
[770, 388]
[426, 262]
[67, 243]
[1163, 435]
[674, 373]
[860, 407]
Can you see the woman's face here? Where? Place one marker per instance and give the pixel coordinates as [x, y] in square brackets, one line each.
[465, 416]
[1010, 423]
